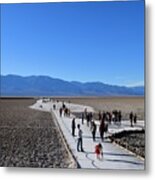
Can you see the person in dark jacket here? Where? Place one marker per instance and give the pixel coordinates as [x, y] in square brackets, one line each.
[119, 117]
[135, 119]
[73, 127]
[93, 130]
[82, 118]
[60, 112]
[131, 119]
[101, 129]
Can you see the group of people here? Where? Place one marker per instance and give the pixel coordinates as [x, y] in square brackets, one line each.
[103, 127]
[104, 118]
[114, 116]
[133, 118]
[88, 116]
[98, 148]
[64, 110]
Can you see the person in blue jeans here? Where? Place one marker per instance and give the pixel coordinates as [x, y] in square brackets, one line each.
[80, 140]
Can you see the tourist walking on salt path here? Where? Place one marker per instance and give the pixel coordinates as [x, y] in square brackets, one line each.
[119, 117]
[54, 107]
[60, 112]
[93, 130]
[99, 151]
[131, 119]
[80, 140]
[135, 119]
[66, 112]
[85, 112]
[88, 119]
[110, 117]
[63, 105]
[104, 115]
[82, 118]
[101, 129]
[73, 127]
[113, 117]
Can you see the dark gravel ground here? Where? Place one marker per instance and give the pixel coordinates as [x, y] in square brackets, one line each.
[29, 138]
[133, 141]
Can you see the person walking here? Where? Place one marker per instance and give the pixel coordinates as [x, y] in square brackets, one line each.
[131, 119]
[135, 119]
[82, 118]
[54, 107]
[80, 140]
[99, 151]
[60, 112]
[101, 129]
[119, 117]
[88, 119]
[93, 130]
[73, 127]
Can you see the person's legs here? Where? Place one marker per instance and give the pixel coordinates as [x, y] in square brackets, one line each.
[94, 136]
[73, 132]
[78, 143]
[102, 135]
[101, 155]
[93, 133]
[131, 123]
[87, 122]
[98, 155]
[81, 144]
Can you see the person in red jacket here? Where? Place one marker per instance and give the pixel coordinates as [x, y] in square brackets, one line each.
[99, 151]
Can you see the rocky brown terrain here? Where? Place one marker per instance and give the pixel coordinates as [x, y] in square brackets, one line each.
[30, 138]
[131, 140]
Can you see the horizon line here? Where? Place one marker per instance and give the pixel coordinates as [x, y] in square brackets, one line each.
[83, 82]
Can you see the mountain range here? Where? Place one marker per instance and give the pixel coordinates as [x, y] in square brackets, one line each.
[14, 85]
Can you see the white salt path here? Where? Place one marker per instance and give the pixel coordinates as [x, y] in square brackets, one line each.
[115, 157]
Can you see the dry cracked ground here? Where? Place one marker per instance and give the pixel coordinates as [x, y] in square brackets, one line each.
[29, 138]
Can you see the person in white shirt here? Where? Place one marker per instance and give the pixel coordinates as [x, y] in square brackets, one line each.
[80, 141]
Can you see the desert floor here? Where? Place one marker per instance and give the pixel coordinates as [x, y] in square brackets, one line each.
[29, 138]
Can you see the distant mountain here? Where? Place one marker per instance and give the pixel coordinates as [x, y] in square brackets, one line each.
[13, 85]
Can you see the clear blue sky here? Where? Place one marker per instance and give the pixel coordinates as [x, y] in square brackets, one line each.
[96, 41]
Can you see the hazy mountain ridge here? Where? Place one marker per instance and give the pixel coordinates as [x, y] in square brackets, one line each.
[14, 85]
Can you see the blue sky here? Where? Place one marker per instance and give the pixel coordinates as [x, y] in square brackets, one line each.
[95, 41]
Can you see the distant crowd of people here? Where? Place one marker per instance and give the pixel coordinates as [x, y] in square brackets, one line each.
[115, 116]
[63, 110]
[88, 117]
